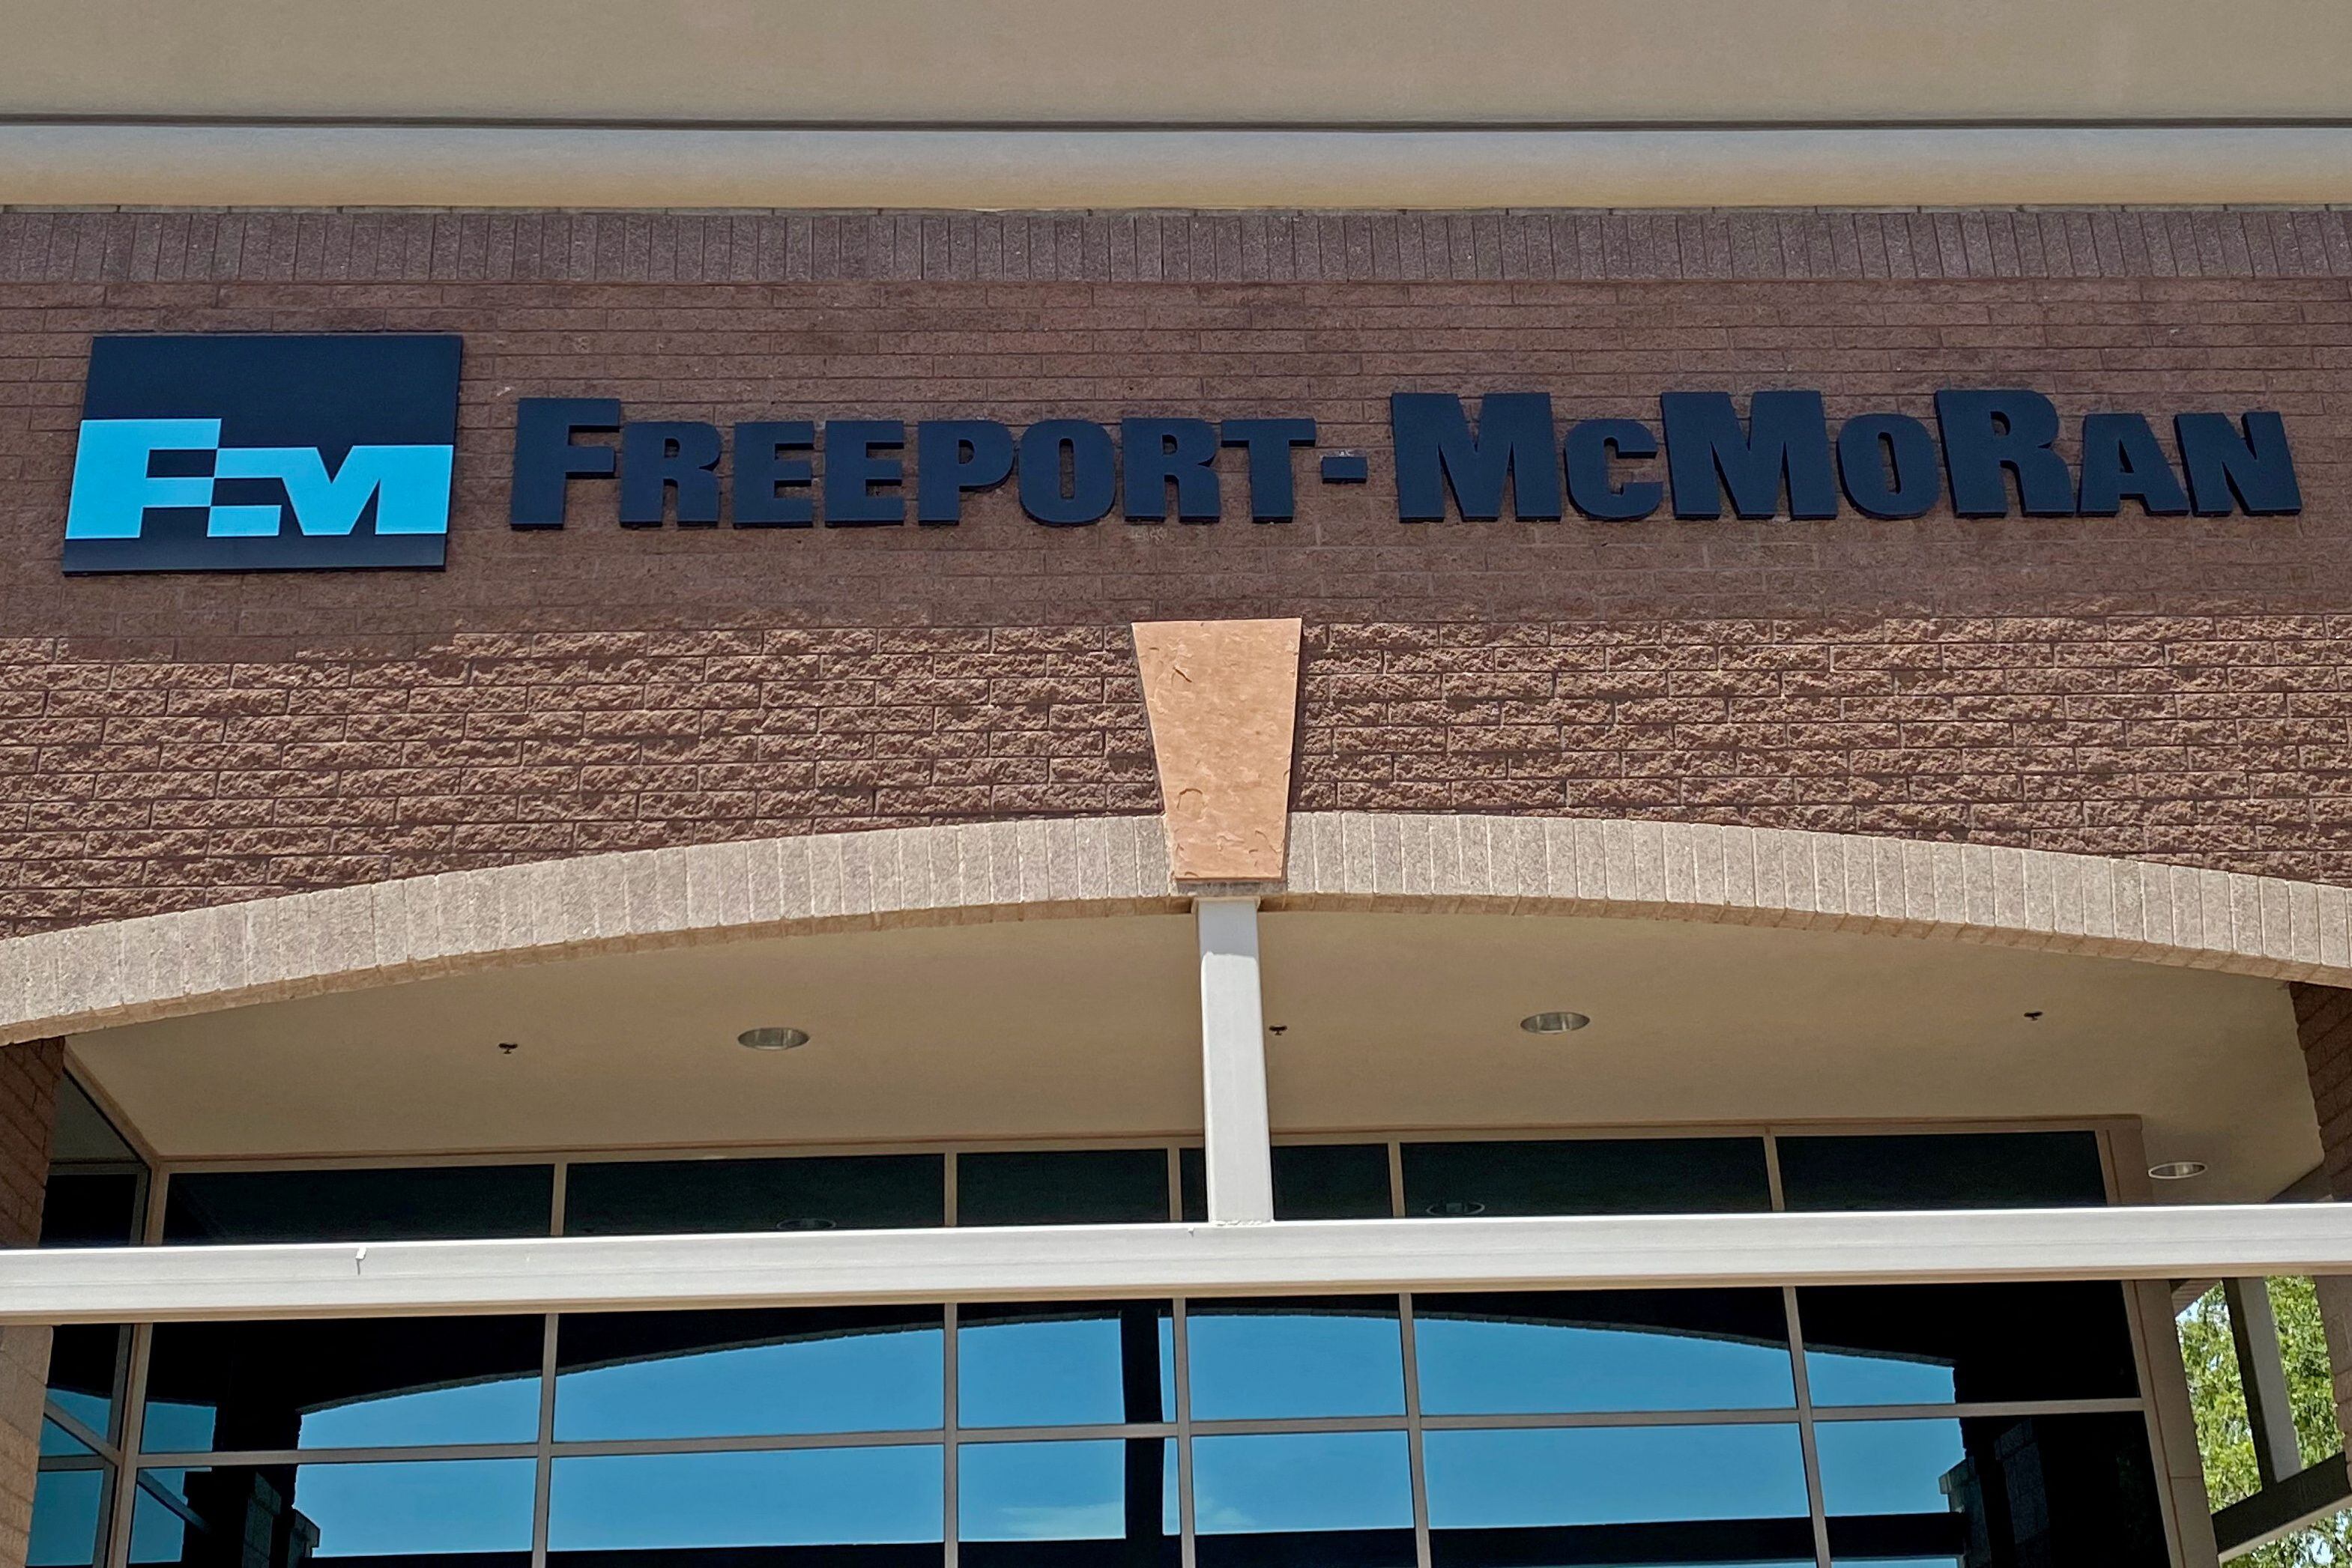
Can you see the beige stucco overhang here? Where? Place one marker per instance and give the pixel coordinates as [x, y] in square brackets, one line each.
[1185, 62]
[1036, 979]
[1205, 103]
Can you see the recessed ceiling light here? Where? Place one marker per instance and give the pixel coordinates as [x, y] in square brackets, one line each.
[772, 1038]
[2177, 1170]
[1553, 1023]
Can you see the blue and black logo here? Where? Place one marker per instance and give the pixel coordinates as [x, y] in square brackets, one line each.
[264, 453]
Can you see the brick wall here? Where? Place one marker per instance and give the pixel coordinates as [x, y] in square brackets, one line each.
[2323, 1018]
[2170, 688]
[28, 1106]
[28, 1092]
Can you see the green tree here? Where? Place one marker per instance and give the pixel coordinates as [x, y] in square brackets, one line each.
[2224, 1437]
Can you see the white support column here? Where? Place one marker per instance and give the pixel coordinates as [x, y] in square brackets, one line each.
[2262, 1372]
[1240, 1157]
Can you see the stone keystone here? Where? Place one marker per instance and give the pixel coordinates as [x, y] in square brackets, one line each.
[1223, 700]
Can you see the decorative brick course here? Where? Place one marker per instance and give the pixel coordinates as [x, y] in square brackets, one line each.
[2172, 689]
[409, 244]
[83, 977]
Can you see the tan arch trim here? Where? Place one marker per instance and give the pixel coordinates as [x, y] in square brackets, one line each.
[168, 966]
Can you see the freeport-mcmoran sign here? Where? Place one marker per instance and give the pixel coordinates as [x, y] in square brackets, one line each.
[271, 452]
[1994, 452]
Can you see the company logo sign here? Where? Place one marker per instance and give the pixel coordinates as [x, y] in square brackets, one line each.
[264, 453]
[243, 453]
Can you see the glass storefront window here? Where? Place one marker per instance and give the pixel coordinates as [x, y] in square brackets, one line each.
[1996, 1488]
[84, 1361]
[91, 1209]
[69, 1502]
[1935, 1344]
[1119, 1493]
[1331, 1181]
[396, 1203]
[67, 1507]
[97, 1189]
[1658, 1427]
[1191, 1186]
[660, 1504]
[623, 1376]
[1063, 1186]
[1587, 1176]
[1942, 1170]
[1560, 1352]
[58, 1441]
[1065, 1364]
[1618, 1494]
[861, 1191]
[279, 1516]
[1293, 1357]
[1303, 1497]
[342, 1383]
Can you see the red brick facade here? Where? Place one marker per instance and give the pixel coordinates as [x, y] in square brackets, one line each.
[2173, 689]
[28, 1109]
[2323, 1018]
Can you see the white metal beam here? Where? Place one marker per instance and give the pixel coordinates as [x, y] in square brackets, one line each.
[1079, 1262]
[1240, 1147]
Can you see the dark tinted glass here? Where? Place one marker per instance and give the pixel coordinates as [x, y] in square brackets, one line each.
[1924, 1344]
[342, 1383]
[1618, 1494]
[1294, 1357]
[1064, 1186]
[412, 1204]
[1191, 1186]
[654, 1198]
[1331, 1181]
[2006, 1491]
[1602, 1350]
[1065, 1364]
[81, 1132]
[1108, 1503]
[1587, 1176]
[1303, 1498]
[861, 1506]
[475, 1512]
[91, 1209]
[83, 1358]
[1943, 1170]
[739, 1373]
